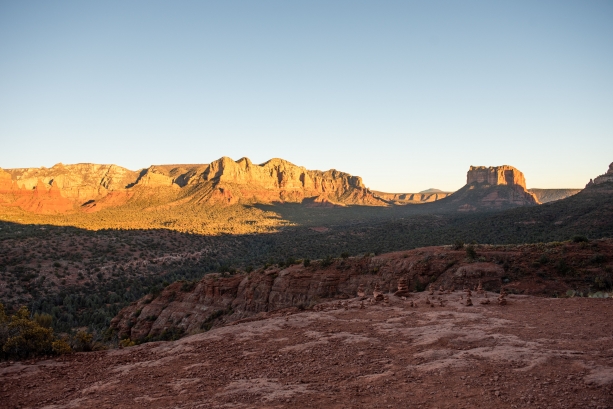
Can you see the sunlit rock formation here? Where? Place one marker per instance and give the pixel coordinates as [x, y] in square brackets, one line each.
[490, 188]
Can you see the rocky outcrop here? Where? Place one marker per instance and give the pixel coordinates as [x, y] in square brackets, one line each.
[154, 177]
[80, 182]
[490, 188]
[93, 187]
[192, 308]
[215, 300]
[281, 181]
[606, 178]
[495, 175]
[38, 200]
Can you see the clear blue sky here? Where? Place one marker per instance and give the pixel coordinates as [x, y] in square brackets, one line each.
[405, 94]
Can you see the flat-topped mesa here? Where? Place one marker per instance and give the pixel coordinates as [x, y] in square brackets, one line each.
[489, 188]
[496, 175]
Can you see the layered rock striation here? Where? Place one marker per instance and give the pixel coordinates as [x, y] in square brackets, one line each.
[496, 175]
[92, 187]
[216, 300]
[42, 198]
[80, 182]
[490, 188]
[281, 181]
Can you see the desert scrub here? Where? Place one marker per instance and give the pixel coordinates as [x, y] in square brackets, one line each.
[471, 253]
[22, 337]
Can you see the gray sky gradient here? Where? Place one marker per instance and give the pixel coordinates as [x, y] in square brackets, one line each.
[405, 94]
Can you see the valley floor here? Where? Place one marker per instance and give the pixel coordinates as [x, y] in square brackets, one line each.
[531, 353]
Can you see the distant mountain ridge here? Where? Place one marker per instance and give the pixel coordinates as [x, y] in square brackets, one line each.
[88, 188]
[224, 182]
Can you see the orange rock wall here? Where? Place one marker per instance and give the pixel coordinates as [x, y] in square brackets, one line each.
[496, 175]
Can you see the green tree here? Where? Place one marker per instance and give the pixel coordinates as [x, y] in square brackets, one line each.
[26, 337]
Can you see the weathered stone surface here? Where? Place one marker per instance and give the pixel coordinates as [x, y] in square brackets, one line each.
[496, 175]
[37, 200]
[496, 187]
[244, 295]
[80, 182]
[222, 182]
[488, 274]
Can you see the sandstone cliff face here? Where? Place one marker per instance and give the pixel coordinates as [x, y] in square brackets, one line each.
[242, 296]
[93, 187]
[216, 299]
[496, 175]
[490, 188]
[279, 181]
[41, 199]
[80, 182]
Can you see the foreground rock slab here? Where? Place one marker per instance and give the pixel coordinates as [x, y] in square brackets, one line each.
[531, 353]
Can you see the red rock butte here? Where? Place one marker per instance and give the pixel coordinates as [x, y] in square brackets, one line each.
[496, 175]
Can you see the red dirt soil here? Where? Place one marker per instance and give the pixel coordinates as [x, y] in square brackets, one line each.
[531, 353]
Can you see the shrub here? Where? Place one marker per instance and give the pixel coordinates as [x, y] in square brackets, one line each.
[23, 337]
[306, 262]
[471, 253]
[207, 324]
[419, 286]
[44, 320]
[82, 341]
[61, 347]
[543, 259]
[580, 239]
[562, 267]
[171, 334]
[125, 343]
[188, 286]
[458, 245]
[345, 255]
[598, 259]
[327, 261]
[603, 282]
[155, 290]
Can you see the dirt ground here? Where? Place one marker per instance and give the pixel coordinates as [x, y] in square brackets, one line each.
[531, 353]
